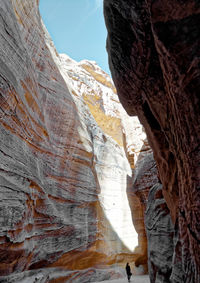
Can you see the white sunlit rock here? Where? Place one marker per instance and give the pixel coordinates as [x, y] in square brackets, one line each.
[66, 155]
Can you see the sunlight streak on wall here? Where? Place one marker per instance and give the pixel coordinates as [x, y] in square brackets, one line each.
[114, 201]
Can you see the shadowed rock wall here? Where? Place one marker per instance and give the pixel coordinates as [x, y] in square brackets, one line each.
[144, 177]
[65, 153]
[160, 234]
[154, 53]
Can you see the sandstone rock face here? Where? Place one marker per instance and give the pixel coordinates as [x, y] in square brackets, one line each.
[153, 51]
[126, 131]
[144, 177]
[67, 152]
[160, 234]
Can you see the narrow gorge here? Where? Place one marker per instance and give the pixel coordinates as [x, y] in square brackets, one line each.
[84, 186]
[68, 154]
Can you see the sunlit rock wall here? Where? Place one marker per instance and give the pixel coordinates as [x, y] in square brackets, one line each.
[154, 56]
[67, 152]
[95, 87]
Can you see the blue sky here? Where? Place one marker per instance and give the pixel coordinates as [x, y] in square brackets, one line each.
[77, 28]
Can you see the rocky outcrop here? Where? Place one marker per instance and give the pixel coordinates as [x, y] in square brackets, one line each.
[66, 150]
[144, 177]
[160, 234]
[153, 51]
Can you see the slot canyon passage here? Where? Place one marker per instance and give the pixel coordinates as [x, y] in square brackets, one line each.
[82, 191]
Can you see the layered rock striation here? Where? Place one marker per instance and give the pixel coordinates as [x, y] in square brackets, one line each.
[160, 234]
[144, 177]
[153, 49]
[67, 152]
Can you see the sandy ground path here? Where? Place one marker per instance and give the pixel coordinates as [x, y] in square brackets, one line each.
[134, 279]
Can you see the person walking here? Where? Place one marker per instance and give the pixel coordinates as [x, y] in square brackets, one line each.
[128, 271]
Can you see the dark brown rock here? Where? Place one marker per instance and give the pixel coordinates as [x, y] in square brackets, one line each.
[154, 53]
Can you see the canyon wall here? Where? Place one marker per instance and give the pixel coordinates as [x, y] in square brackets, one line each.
[144, 177]
[154, 53]
[160, 235]
[67, 154]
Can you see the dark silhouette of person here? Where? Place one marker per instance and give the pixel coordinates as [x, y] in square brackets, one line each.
[128, 271]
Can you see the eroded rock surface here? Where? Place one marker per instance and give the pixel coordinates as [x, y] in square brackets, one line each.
[144, 177]
[67, 151]
[154, 56]
[160, 234]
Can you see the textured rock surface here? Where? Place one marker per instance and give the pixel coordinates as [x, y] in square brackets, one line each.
[160, 234]
[144, 177]
[154, 56]
[54, 275]
[90, 83]
[65, 148]
[95, 87]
